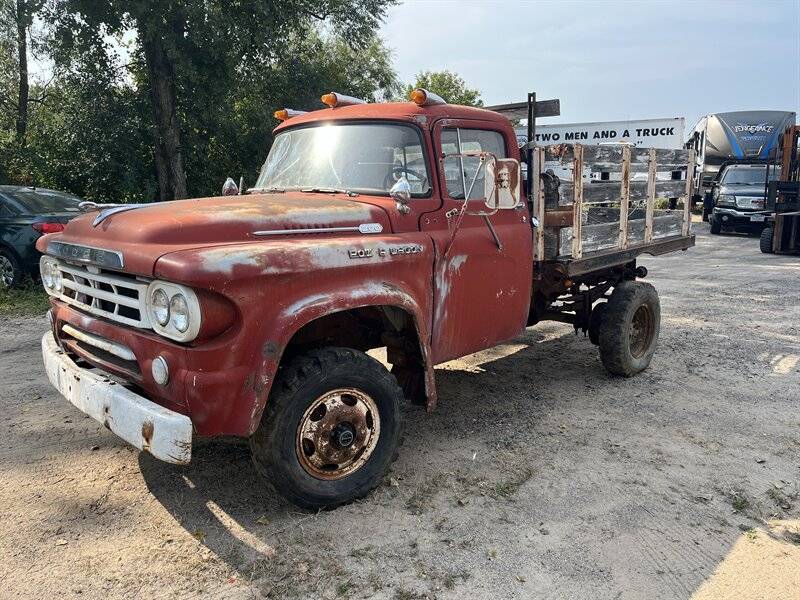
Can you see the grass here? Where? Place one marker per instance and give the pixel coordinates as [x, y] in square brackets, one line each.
[739, 501]
[28, 300]
[507, 488]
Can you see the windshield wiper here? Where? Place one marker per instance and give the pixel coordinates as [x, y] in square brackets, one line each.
[266, 190]
[320, 190]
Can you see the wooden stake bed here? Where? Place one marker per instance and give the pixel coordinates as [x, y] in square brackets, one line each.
[596, 205]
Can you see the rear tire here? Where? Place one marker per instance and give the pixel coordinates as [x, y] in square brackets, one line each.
[765, 242]
[716, 226]
[630, 327]
[320, 402]
[11, 274]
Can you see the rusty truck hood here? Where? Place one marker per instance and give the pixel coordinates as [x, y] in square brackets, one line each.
[144, 234]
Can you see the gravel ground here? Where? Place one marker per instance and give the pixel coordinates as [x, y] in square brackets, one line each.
[539, 476]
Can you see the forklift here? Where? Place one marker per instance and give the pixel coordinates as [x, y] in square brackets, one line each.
[782, 232]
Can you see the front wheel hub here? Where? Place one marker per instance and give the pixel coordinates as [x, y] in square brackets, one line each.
[338, 433]
[344, 434]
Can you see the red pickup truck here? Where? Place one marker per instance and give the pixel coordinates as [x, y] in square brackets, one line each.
[402, 226]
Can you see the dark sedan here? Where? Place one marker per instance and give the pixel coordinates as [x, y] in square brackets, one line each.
[26, 214]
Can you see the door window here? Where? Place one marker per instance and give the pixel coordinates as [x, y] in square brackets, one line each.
[5, 209]
[458, 170]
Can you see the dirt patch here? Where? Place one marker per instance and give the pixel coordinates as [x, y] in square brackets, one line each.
[538, 476]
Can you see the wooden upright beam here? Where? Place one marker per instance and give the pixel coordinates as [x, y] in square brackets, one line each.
[577, 200]
[538, 203]
[624, 197]
[651, 198]
[687, 199]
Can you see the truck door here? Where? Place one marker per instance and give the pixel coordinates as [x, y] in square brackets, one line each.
[482, 287]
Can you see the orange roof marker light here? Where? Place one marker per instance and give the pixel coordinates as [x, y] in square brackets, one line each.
[287, 113]
[334, 99]
[422, 97]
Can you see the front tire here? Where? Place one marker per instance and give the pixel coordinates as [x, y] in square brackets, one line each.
[765, 242]
[331, 428]
[715, 225]
[629, 329]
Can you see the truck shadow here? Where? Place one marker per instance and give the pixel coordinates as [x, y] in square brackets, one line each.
[222, 502]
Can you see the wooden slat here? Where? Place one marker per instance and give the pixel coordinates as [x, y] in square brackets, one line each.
[519, 110]
[687, 199]
[538, 203]
[577, 200]
[612, 155]
[651, 198]
[605, 236]
[610, 191]
[637, 167]
[624, 197]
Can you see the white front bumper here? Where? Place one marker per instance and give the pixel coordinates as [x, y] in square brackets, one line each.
[164, 433]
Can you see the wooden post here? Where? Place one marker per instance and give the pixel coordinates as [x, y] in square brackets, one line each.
[651, 197]
[538, 203]
[687, 199]
[577, 201]
[624, 197]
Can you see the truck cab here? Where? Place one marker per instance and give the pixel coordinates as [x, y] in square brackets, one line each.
[398, 225]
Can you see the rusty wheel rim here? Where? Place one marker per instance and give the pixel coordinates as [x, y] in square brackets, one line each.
[641, 330]
[338, 433]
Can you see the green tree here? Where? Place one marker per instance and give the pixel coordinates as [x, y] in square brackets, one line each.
[189, 55]
[448, 85]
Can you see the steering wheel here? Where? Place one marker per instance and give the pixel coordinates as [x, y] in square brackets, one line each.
[397, 170]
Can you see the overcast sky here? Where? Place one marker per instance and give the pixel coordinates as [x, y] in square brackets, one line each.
[609, 60]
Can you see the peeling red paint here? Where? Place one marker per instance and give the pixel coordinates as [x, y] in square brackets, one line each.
[267, 288]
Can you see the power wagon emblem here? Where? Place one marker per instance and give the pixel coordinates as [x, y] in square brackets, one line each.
[387, 251]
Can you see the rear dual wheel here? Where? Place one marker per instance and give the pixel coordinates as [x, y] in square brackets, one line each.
[629, 327]
[331, 428]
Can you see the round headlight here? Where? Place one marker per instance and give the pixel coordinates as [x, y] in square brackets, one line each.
[55, 276]
[46, 271]
[179, 309]
[160, 305]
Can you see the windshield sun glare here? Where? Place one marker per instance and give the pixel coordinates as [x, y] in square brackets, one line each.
[366, 158]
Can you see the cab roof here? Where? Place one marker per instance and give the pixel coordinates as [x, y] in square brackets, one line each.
[396, 111]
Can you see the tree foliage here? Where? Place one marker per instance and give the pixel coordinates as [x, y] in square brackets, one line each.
[448, 85]
[226, 67]
[132, 86]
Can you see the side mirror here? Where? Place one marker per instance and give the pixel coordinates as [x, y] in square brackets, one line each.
[502, 184]
[401, 192]
[229, 188]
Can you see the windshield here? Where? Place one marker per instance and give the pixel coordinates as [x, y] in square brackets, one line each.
[357, 157]
[749, 175]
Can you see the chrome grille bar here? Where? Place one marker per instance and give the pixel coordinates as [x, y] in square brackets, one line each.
[112, 296]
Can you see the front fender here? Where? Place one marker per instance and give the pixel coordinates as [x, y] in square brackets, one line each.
[280, 286]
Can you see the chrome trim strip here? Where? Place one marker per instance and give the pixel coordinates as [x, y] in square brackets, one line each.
[114, 210]
[363, 228]
[114, 348]
[101, 257]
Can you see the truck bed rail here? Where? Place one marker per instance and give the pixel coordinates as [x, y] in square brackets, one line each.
[601, 201]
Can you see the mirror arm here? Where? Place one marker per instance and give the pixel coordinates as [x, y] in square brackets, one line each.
[463, 210]
[493, 232]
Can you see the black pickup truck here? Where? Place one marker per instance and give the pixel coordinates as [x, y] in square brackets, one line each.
[738, 197]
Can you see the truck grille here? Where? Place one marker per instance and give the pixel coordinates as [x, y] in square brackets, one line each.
[116, 297]
[749, 202]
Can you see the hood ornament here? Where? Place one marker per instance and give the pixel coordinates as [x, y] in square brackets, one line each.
[106, 210]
